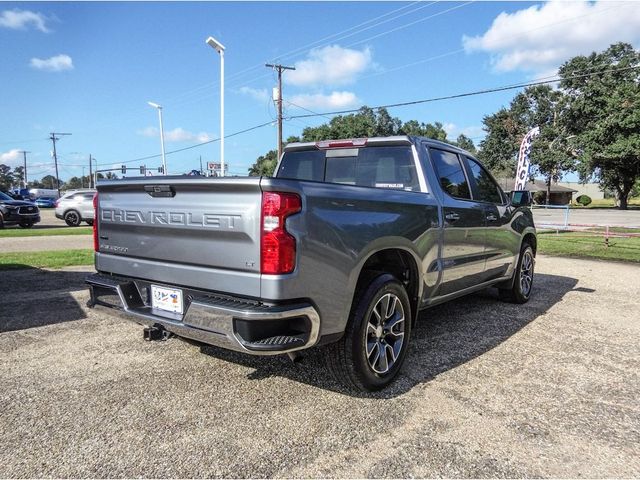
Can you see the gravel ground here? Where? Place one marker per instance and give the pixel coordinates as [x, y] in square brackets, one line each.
[36, 244]
[549, 389]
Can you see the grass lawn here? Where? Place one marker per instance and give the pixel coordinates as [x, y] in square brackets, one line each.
[576, 244]
[49, 259]
[44, 232]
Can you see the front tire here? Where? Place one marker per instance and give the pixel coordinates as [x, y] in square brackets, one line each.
[370, 354]
[520, 291]
[26, 225]
[72, 218]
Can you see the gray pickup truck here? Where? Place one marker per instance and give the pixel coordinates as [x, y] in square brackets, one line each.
[343, 248]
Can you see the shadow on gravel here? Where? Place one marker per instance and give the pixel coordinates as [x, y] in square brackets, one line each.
[445, 337]
[33, 297]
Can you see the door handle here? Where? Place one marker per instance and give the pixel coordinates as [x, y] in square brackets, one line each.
[452, 217]
[491, 217]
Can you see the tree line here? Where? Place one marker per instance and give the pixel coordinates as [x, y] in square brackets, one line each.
[13, 178]
[589, 124]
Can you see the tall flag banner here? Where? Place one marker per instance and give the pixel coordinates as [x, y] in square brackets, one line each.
[522, 174]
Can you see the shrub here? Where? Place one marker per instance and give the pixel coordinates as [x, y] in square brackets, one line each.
[539, 198]
[584, 200]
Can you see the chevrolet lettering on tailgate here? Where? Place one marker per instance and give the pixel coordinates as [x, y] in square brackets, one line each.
[211, 220]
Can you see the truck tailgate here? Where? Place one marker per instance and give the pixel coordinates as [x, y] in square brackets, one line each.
[201, 232]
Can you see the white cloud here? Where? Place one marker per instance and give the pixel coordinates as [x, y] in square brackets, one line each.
[471, 131]
[17, 19]
[11, 158]
[321, 101]
[260, 94]
[176, 135]
[540, 38]
[148, 132]
[331, 65]
[58, 63]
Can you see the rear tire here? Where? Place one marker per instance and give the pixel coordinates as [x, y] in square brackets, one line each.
[89, 222]
[520, 292]
[370, 354]
[72, 218]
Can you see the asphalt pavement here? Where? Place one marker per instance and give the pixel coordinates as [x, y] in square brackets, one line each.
[548, 389]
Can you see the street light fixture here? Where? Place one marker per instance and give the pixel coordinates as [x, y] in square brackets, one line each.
[213, 43]
[164, 160]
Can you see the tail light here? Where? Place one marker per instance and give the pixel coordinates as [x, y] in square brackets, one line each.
[55, 204]
[96, 243]
[277, 246]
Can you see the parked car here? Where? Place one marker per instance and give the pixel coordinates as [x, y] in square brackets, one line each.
[45, 202]
[17, 212]
[35, 193]
[76, 207]
[342, 248]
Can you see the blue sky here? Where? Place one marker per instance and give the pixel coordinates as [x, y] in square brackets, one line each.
[90, 68]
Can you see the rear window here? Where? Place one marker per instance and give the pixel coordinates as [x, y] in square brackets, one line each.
[379, 167]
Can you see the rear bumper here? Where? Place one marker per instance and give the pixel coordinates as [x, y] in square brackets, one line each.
[227, 322]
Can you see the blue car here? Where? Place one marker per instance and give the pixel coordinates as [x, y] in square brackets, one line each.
[46, 202]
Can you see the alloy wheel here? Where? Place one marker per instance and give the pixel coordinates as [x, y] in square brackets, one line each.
[385, 333]
[526, 273]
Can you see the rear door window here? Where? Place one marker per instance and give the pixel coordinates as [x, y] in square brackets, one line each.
[390, 167]
[450, 173]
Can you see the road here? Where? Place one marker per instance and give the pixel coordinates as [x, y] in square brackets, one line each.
[549, 389]
[35, 244]
[598, 216]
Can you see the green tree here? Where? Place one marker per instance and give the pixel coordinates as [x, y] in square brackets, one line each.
[604, 115]
[49, 181]
[466, 143]
[537, 106]
[6, 177]
[73, 183]
[420, 129]
[365, 123]
[265, 165]
[18, 176]
[500, 146]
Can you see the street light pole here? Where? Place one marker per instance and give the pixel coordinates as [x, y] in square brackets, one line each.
[212, 42]
[164, 160]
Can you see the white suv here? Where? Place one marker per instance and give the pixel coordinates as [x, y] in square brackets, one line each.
[75, 207]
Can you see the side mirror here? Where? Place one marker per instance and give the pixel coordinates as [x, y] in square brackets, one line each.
[521, 198]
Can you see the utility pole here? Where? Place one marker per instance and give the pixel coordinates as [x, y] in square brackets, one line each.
[55, 157]
[280, 69]
[201, 165]
[24, 173]
[90, 173]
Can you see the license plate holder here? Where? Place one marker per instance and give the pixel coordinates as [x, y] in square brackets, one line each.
[167, 299]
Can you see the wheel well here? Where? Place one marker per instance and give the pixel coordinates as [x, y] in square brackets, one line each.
[398, 263]
[530, 238]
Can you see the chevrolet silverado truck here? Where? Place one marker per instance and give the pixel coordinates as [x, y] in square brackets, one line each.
[342, 248]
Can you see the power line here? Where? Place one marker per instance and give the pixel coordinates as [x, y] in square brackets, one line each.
[410, 24]
[255, 127]
[402, 104]
[466, 94]
[340, 35]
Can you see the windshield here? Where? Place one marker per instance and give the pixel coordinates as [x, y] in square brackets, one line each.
[4, 196]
